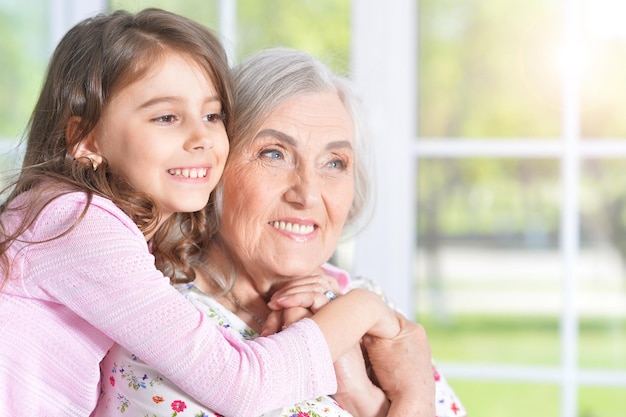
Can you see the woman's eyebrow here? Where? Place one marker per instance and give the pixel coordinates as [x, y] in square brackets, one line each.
[283, 137]
[339, 144]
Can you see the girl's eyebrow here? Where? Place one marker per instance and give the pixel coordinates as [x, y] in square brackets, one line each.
[283, 137]
[159, 100]
[171, 99]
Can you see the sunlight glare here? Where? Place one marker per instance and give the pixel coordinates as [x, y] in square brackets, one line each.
[606, 18]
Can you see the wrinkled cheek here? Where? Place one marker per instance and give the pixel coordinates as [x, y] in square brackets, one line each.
[239, 224]
[341, 206]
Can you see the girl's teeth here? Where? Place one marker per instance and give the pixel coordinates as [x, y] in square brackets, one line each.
[189, 172]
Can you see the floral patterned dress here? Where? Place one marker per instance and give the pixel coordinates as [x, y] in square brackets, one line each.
[131, 387]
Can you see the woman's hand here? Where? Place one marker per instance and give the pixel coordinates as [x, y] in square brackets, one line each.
[308, 292]
[403, 367]
[301, 297]
[355, 391]
[297, 299]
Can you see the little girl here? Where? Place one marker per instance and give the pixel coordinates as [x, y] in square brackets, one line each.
[128, 135]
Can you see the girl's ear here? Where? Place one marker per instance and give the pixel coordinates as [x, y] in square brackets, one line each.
[87, 148]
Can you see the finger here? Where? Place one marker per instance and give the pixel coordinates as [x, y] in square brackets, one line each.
[312, 283]
[302, 289]
[292, 315]
[273, 323]
[311, 300]
[330, 293]
[394, 360]
[333, 284]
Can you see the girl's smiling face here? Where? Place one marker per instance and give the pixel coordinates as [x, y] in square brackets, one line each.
[165, 134]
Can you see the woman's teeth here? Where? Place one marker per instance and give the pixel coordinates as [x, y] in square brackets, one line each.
[299, 229]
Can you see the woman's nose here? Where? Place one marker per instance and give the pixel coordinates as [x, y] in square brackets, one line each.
[304, 190]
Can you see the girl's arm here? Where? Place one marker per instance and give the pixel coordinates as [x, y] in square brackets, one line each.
[356, 313]
[103, 272]
[343, 321]
[355, 391]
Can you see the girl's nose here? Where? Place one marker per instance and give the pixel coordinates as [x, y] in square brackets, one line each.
[200, 136]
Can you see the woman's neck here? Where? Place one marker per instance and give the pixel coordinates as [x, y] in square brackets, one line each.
[248, 296]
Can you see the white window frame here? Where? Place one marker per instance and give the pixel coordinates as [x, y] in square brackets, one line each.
[385, 67]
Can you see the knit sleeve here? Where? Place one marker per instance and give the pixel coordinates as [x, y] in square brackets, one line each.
[103, 271]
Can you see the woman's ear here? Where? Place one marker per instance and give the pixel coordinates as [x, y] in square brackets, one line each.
[87, 148]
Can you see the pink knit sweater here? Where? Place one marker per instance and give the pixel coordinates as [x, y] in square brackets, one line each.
[68, 299]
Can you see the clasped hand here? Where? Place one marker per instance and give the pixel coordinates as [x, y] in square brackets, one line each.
[378, 377]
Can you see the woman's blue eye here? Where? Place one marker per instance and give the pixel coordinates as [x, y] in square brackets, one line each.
[337, 163]
[272, 153]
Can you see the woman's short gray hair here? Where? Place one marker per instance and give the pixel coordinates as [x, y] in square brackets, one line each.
[269, 78]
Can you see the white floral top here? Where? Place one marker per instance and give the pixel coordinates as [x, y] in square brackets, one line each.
[131, 387]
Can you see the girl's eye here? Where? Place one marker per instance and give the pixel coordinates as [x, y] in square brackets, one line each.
[213, 117]
[168, 118]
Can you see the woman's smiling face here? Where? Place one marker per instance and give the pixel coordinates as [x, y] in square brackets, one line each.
[288, 190]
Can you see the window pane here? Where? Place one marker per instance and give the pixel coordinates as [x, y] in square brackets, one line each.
[601, 401]
[24, 52]
[603, 67]
[489, 68]
[498, 399]
[602, 278]
[320, 27]
[203, 11]
[488, 265]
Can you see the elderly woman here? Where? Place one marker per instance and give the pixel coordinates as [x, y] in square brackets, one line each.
[295, 179]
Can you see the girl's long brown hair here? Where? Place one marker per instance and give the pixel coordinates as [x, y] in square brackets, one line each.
[95, 60]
